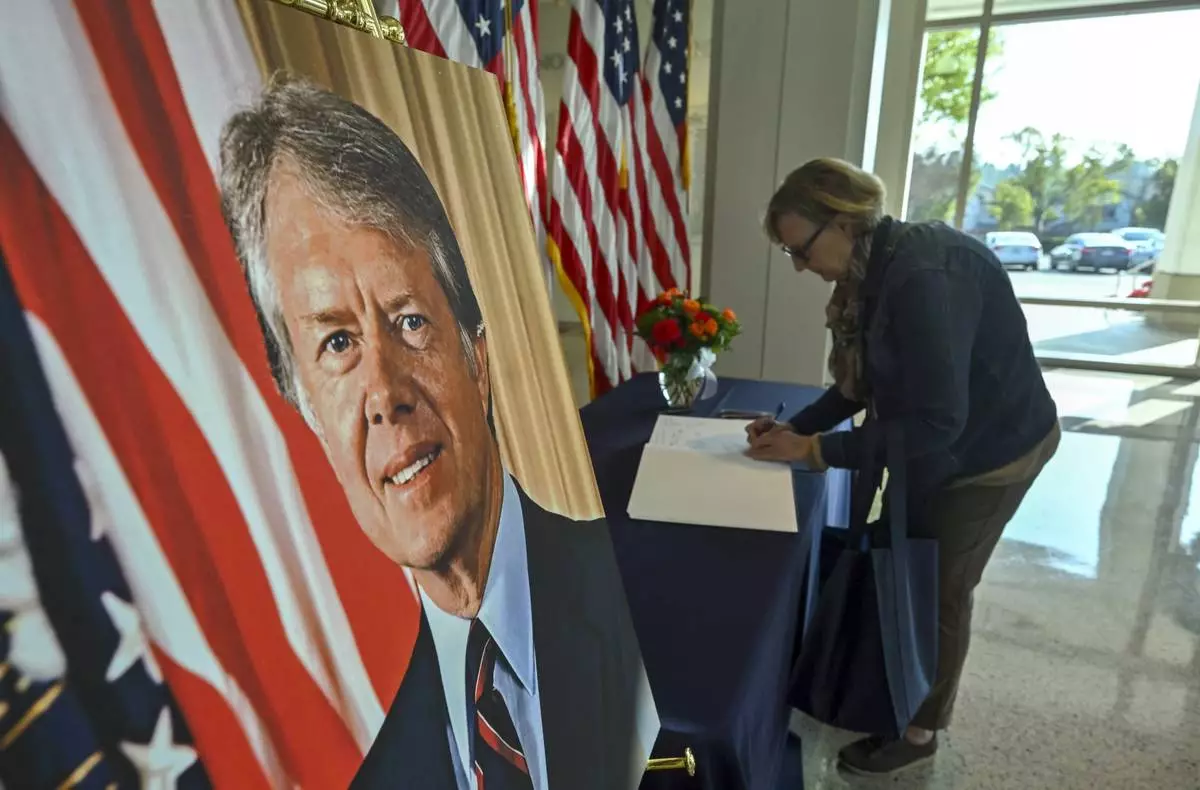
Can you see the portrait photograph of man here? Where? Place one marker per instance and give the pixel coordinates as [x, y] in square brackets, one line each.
[526, 671]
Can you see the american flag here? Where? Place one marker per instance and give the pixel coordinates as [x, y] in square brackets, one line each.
[187, 603]
[110, 720]
[478, 34]
[617, 223]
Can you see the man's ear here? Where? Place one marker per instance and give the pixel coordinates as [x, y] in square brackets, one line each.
[482, 376]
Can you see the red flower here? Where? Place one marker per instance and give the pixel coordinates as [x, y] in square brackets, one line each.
[666, 333]
[702, 317]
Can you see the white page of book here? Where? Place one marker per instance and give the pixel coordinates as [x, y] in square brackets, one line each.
[695, 471]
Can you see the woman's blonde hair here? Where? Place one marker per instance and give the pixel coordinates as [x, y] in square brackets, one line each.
[822, 190]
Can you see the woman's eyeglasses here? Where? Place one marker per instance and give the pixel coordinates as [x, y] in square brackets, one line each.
[804, 251]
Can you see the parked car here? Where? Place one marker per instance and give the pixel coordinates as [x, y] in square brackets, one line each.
[1147, 243]
[1015, 248]
[1095, 251]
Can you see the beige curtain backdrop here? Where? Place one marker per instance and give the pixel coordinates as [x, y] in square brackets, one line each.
[453, 119]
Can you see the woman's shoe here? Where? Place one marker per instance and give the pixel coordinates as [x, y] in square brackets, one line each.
[877, 756]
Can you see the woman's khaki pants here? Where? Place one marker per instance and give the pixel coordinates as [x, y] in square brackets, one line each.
[967, 522]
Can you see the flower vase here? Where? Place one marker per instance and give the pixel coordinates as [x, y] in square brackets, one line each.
[687, 378]
[680, 392]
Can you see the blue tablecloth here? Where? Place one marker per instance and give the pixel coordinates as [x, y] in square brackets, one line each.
[716, 610]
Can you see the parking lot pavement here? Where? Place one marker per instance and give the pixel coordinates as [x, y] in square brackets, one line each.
[1078, 285]
[1116, 333]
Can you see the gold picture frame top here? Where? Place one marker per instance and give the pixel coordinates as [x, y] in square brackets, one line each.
[357, 14]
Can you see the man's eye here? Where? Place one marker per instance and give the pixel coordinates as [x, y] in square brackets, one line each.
[337, 343]
[412, 323]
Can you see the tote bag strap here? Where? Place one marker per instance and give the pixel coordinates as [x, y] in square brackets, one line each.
[869, 478]
[866, 480]
[897, 466]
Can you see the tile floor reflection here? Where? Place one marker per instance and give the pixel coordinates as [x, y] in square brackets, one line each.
[1084, 671]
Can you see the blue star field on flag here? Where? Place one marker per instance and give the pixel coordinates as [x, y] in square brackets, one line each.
[620, 56]
[485, 20]
[670, 35]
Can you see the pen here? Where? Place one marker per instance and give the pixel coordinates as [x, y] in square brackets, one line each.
[779, 411]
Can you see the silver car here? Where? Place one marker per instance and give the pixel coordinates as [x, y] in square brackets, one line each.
[1015, 248]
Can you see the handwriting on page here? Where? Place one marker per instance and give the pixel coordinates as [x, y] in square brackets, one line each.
[725, 488]
[725, 439]
[693, 433]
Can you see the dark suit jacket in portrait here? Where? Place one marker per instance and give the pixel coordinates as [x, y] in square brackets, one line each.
[592, 683]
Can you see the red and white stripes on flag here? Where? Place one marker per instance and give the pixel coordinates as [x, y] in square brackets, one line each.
[259, 593]
[617, 221]
[500, 36]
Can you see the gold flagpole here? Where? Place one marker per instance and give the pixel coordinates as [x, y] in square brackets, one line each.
[510, 76]
[361, 15]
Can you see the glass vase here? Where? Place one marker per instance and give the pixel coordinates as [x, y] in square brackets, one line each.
[680, 391]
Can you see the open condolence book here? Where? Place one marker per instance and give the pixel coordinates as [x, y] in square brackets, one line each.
[695, 471]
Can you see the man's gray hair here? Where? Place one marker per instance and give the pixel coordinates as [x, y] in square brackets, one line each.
[355, 167]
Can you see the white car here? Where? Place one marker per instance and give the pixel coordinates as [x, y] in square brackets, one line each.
[1015, 248]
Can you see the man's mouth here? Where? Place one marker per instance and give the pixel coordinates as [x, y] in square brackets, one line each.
[412, 470]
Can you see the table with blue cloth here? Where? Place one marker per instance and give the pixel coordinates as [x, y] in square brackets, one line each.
[716, 610]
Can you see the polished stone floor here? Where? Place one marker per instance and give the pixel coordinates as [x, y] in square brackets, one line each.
[1084, 671]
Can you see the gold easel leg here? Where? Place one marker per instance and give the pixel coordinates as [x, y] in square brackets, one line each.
[687, 762]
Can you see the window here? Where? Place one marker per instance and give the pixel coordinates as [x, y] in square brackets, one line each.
[943, 107]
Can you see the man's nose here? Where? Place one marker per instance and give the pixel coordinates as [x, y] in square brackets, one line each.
[390, 393]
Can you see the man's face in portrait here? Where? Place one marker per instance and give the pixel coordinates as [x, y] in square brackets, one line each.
[400, 405]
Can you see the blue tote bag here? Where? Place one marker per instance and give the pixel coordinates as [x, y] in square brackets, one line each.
[868, 651]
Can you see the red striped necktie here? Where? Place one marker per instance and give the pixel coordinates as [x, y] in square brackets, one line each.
[499, 759]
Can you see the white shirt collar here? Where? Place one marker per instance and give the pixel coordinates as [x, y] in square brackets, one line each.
[506, 610]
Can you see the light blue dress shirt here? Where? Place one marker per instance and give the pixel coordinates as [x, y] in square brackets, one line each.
[508, 615]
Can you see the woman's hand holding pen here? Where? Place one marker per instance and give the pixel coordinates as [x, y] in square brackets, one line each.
[782, 444]
[764, 425]
[772, 440]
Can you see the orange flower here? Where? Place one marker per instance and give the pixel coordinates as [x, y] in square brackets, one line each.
[729, 315]
[691, 307]
[666, 297]
[710, 327]
[697, 330]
